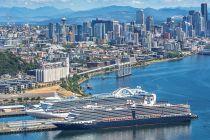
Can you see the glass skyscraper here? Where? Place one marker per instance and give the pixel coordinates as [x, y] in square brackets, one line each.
[204, 11]
[140, 17]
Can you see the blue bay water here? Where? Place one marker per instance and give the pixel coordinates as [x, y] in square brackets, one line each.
[184, 81]
[16, 118]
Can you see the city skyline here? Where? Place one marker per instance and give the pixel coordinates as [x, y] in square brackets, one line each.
[78, 5]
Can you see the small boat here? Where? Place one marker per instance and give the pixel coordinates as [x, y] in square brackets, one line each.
[89, 86]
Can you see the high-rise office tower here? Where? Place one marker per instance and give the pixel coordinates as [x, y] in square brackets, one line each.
[58, 32]
[203, 24]
[78, 33]
[99, 31]
[58, 28]
[208, 28]
[116, 29]
[63, 30]
[180, 34]
[186, 28]
[149, 23]
[191, 17]
[197, 22]
[191, 31]
[87, 30]
[204, 11]
[147, 41]
[51, 29]
[108, 25]
[140, 17]
[72, 32]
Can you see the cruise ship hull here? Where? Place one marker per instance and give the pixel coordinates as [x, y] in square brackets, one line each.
[123, 123]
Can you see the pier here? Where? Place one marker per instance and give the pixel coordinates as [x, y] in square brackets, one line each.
[12, 110]
[27, 126]
[12, 114]
[115, 66]
[124, 69]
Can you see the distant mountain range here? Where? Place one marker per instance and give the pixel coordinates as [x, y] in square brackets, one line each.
[26, 15]
[44, 15]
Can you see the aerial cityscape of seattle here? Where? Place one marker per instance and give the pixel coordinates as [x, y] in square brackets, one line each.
[104, 70]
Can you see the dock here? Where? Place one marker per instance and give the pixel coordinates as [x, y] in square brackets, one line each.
[27, 126]
[124, 69]
[12, 114]
[12, 110]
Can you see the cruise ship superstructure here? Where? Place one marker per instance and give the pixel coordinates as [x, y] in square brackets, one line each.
[56, 107]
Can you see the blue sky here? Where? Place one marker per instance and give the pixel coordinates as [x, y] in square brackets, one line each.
[89, 4]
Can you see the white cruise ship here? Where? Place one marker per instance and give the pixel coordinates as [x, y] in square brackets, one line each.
[55, 107]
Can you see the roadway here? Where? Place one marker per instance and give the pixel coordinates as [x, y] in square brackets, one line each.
[102, 68]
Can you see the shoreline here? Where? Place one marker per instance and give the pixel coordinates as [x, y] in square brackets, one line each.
[136, 65]
[102, 72]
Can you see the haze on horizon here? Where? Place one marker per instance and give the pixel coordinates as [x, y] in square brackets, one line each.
[77, 5]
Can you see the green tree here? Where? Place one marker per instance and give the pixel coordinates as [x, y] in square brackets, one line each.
[11, 64]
